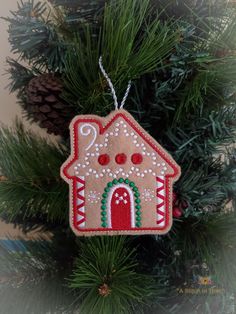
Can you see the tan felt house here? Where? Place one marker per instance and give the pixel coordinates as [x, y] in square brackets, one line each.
[120, 178]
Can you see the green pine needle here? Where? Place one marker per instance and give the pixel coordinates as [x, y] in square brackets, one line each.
[106, 279]
[32, 186]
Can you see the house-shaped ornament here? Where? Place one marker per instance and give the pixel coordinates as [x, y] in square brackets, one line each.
[120, 178]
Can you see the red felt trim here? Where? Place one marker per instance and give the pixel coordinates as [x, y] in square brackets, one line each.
[167, 222]
[102, 129]
[76, 208]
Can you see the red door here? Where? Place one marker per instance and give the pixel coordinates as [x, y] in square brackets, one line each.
[120, 209]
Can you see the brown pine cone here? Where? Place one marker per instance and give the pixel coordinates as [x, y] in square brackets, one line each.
[45, 105]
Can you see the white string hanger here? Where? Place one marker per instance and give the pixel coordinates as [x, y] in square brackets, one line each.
[112, 87]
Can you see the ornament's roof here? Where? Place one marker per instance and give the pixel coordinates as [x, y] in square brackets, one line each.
[100, 145]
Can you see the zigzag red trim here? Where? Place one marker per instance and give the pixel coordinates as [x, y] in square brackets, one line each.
[160, 208]
[77, 207]
[102, 129]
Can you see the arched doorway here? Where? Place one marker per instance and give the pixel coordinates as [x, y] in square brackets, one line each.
[121, 208]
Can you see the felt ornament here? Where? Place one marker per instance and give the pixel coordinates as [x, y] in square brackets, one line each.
[120, 178]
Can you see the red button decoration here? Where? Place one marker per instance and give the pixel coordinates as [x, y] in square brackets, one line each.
[103, 159]
[136, 158]
[121, 158]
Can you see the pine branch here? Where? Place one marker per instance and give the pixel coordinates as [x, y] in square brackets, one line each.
[210, 239]
[31, 166]
[106, 279]
[209, 82]
[19, 76]
[32, 278]
[35, 37]
[131, 46]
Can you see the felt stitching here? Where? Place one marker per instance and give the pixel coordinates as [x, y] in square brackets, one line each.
[88, 132]
[169, 178]
[160, 194]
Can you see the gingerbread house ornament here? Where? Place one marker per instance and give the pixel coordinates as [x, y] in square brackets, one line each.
[120, 178]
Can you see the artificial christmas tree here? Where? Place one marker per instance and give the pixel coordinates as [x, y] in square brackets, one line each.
[181, 61]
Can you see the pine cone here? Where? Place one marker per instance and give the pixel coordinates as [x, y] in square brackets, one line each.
[44, 104]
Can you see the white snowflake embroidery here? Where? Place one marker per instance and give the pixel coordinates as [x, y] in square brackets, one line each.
[94, 197]
[147, 195]
[121, 198]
